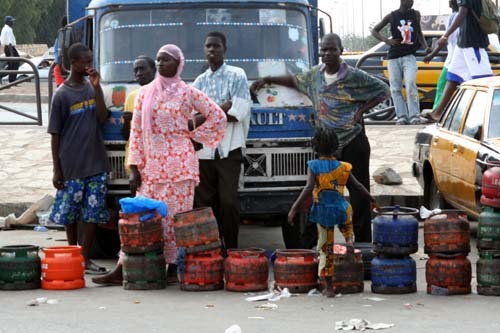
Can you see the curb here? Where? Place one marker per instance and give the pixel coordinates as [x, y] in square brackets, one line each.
[22, 98]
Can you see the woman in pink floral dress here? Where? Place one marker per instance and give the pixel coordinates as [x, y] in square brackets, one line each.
[162, 159]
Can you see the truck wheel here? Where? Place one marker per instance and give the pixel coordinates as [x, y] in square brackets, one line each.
[302, 235]
[106, 243]
[389, 114]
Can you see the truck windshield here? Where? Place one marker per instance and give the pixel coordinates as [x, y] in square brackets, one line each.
[261, 41]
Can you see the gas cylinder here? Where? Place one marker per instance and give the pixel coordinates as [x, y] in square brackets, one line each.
[63, 268]
[144, 271]
[394, 275]
[447, 232]
[490, 187]
[348, 277]
[448, 275]
[296, 270]
[138, 235]
[246, 270]
[19, 267]
[367, 255]
[202, 271]
[488, 273]
[197, 230]
[395, 231]
[488, 229]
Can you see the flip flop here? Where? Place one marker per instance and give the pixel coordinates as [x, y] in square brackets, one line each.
[104, 281]
[93, 269]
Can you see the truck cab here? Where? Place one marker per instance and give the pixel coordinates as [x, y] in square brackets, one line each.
[265, 38]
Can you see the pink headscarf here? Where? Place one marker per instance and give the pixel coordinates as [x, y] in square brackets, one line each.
[162, 86]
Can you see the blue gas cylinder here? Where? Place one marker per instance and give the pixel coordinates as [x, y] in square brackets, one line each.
[394, 275]
[395, 231]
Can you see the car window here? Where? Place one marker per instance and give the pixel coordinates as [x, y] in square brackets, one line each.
[494, 125]
[475, 116]
[455, 115]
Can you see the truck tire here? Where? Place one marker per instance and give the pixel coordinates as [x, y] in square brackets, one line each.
[302, 235]
[106, 243]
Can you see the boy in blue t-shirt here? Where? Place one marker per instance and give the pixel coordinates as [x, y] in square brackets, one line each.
[79, 157]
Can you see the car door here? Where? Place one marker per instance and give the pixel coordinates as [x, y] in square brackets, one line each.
[442, 142]
[464, 170]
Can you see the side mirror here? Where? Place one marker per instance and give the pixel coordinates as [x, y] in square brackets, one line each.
[64, 42]
[322, 28]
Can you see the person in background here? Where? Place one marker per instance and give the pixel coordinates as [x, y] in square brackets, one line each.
[341, 95]
[452, 43]
[162, 159]
[470, 60]
[327, 178]
[220, 167]
[8, 40]
[406, 39]
[80, 163]
[58, 75]
[144, 73]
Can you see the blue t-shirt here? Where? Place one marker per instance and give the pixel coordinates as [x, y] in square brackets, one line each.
[74, 119]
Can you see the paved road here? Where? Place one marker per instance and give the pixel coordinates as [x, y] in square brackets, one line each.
[112, 309]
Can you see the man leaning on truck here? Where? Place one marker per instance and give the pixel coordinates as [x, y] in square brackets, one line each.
[220, 168]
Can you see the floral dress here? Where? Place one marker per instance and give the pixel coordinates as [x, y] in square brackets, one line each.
[165, 157]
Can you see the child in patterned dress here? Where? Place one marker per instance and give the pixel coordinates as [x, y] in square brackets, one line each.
[327, 178]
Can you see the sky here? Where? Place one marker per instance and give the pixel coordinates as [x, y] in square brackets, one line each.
[356, 16]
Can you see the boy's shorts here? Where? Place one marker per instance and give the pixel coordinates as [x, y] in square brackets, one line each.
[81, 199]
[467, 64]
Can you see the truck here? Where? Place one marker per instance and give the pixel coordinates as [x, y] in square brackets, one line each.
[265, 37]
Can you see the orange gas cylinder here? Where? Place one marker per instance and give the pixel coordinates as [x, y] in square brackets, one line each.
[348, 275]
[63, 268]
[447, 233]
[449, 275]
[202, 271]
[246, 270]
[490, 188]
[197, 230]
[140, 233]
[296, 270]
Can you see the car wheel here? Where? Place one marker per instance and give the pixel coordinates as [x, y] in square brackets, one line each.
[389, 114]
[434, 197]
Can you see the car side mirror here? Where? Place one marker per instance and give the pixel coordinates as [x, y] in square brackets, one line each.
[64, 42]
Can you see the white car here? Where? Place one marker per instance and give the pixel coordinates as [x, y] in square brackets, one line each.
[42, 63]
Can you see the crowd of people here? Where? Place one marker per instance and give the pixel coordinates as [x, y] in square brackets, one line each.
[186, 141]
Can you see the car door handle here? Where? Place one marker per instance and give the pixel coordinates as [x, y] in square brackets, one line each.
[435, 140]
[457, 148]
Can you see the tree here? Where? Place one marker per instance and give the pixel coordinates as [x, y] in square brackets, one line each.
[35, 19]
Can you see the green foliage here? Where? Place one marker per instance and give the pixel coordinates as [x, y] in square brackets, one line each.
[353, 43]
[37, 21]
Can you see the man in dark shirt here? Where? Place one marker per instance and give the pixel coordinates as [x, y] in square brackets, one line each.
[80, 163]
[406, 39]
[470, 60]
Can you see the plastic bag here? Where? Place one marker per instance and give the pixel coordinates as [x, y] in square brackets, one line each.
[142, 204]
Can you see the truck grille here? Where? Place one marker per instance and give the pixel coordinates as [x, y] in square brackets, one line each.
[276, 164]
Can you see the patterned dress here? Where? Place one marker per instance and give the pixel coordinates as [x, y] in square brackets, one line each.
[165, 157]
[330, 208]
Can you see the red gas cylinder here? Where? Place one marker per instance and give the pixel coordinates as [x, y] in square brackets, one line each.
[197, 230]
[447, 233]
[490, 188]
[246, 270]
[202, 271]
[296, 270]
[140, 233]
[449, 275]
[63, 268]
[348, 275]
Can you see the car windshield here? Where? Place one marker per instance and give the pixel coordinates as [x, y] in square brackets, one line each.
[261, 41]
[494, 123]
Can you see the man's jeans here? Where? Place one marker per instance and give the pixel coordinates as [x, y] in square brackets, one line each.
[399, 69]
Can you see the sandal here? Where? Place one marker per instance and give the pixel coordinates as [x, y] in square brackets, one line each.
[94, 269]
[107, 280]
